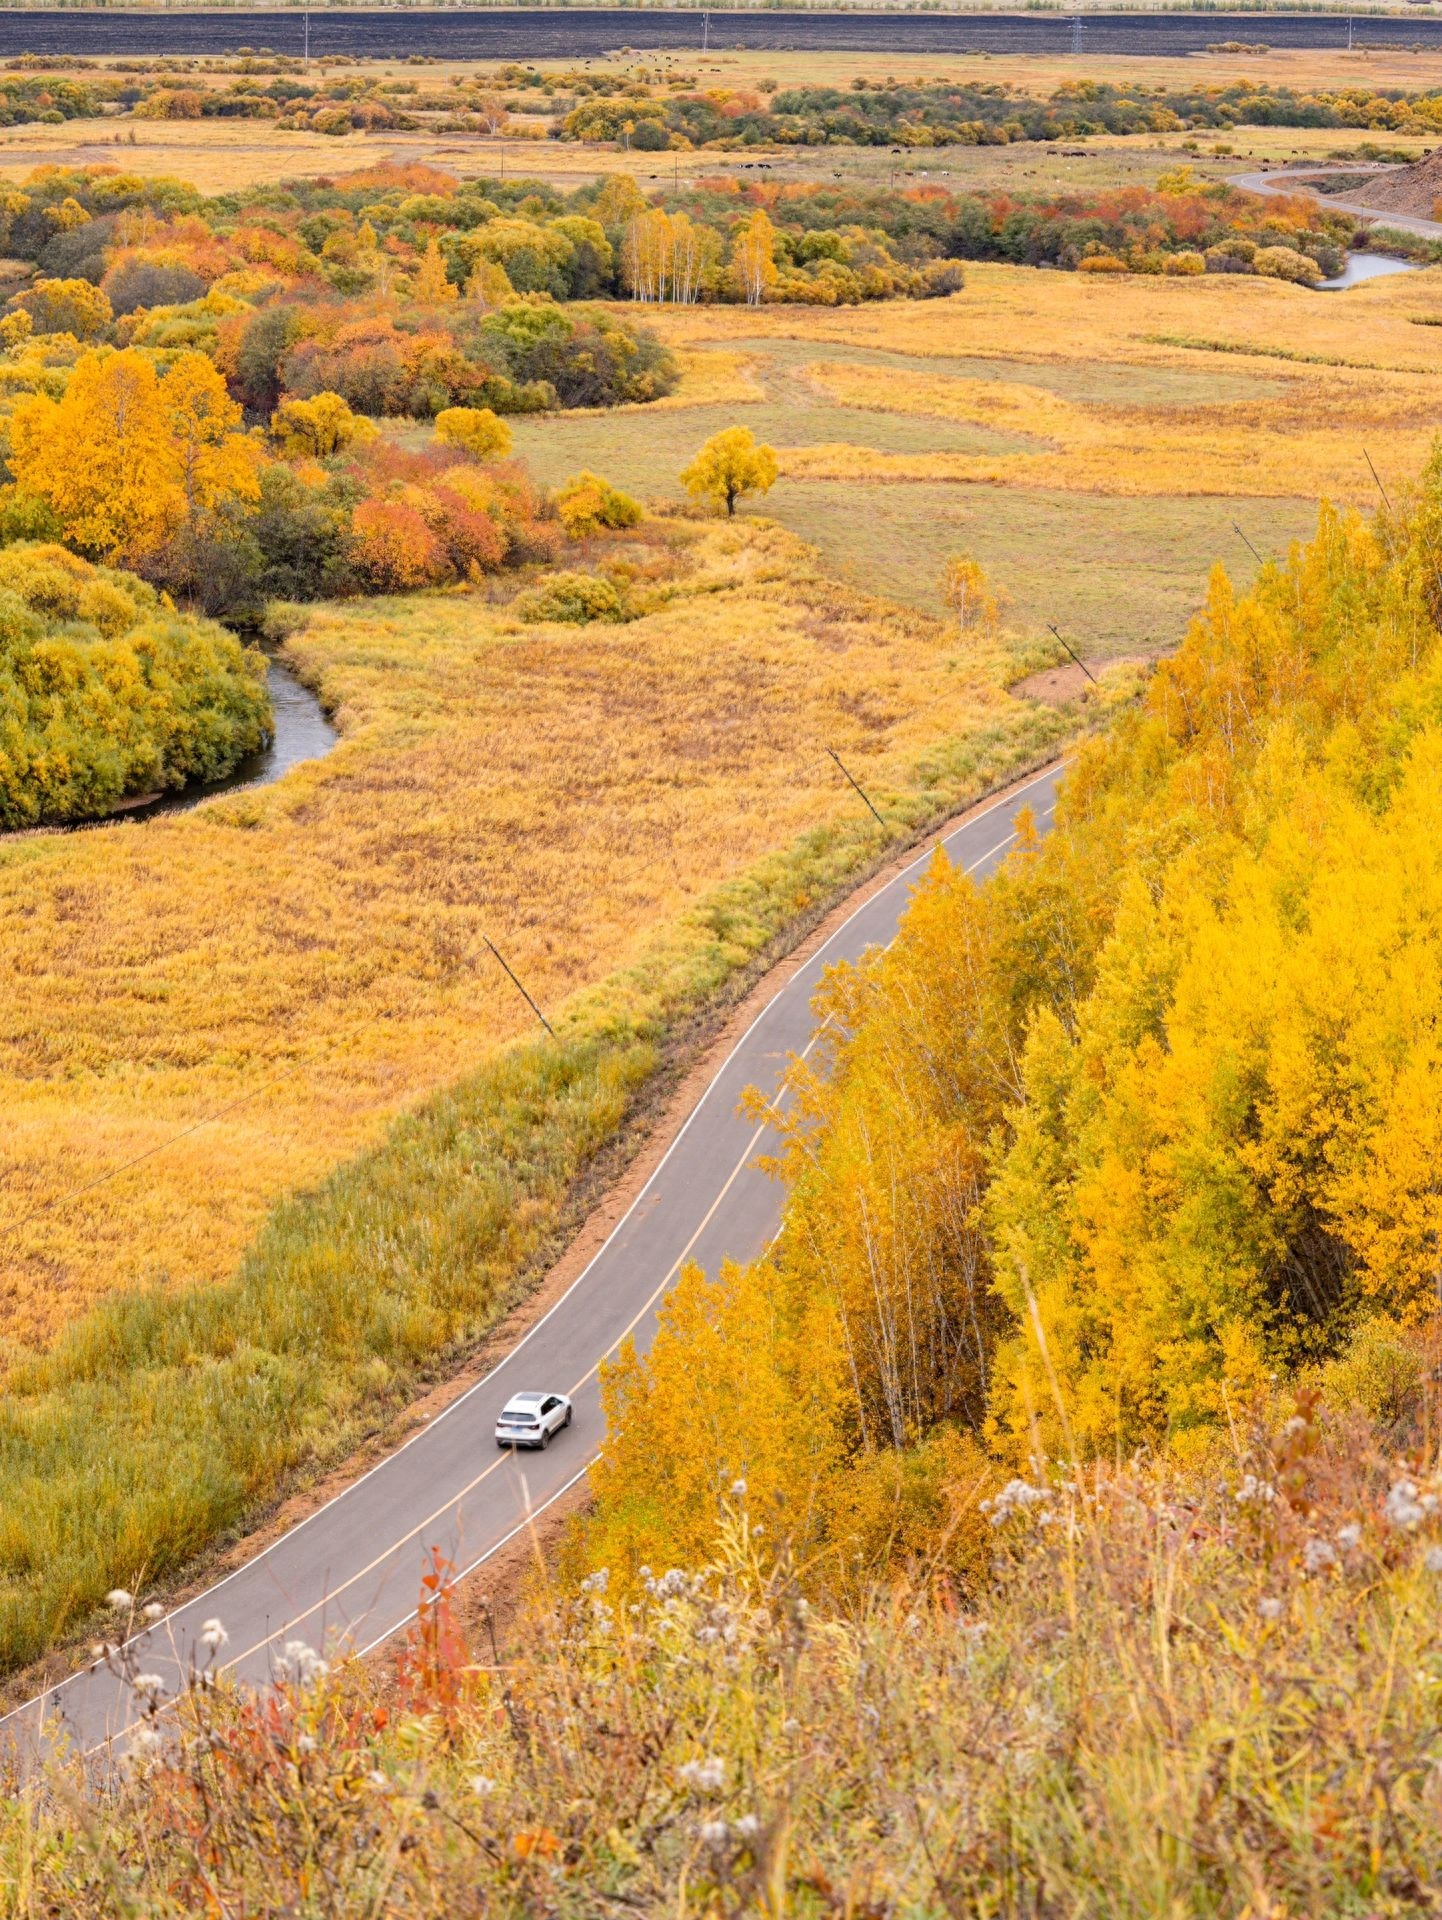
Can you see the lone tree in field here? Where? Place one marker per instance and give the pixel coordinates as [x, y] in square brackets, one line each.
[728, 467]
[970, 595]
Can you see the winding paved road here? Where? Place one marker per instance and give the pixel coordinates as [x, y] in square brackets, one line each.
[1299, 179]
[349, 1574]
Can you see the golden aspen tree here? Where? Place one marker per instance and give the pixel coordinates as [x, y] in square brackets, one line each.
[730, 466]
[491, 110]
[318, 427]
[694, 251]
[736, 1401]
[216, 461]
[970, 595]
[489, 285]
[66, 306]
[753, 258]
[646, 255]
[430, 286]
[618, 202]
[102, 457]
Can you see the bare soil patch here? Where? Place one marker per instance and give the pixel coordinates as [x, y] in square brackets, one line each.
[1413, 190]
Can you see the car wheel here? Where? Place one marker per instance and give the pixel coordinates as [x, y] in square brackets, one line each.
[567, 1421]
[545, 1437]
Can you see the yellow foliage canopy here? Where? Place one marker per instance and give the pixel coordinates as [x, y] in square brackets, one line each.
[728, 467]
[1156, 1116]
[124, 457]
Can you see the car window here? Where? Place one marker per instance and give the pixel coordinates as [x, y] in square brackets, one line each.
[550, 1404]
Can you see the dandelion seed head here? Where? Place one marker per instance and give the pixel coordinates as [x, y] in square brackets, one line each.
[1405, 1507]
[1318, 1555]
[152, 1612]
[704, 1776]
[1254, 1492]
[120, 1600]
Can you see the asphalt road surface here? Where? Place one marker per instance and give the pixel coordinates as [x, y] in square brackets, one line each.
[1303, 180]
[349, 1575]
[520, 33]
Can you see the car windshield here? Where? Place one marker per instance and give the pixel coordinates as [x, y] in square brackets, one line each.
[517, 1419]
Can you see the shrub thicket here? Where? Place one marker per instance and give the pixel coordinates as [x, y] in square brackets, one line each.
[106, 692]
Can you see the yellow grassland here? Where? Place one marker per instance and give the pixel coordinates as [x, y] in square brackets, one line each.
[1294, 426]
[709, 378]
[313, 950]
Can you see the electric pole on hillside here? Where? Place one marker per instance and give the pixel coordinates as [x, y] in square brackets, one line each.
[1076, 34]
[705, 32]
[307, 36]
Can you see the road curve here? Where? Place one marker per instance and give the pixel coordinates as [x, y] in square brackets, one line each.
[348, 1575]
[1298, 180]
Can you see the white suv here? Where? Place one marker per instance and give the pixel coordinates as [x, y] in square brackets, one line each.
[529, 1419]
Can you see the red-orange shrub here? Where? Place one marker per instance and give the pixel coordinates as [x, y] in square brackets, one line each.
[394, 549]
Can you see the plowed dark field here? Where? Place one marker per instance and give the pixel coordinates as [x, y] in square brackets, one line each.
[484, 33]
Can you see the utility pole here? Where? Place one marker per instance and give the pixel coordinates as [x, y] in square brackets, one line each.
[519, 988]
[307, 36]
[705, 32]
[1075, 656]
[856, 783]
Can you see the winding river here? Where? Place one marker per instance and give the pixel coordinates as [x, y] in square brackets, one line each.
[302, 732]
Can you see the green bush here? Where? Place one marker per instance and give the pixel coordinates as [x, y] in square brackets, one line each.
[572, 599]
[106, 691]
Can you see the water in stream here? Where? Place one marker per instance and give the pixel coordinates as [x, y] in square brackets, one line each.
[302, 732]
[1366, 266]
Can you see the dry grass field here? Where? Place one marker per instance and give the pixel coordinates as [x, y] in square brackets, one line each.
[570, 790]
[310, 956]
[221, 1015]
[219, 155]
[1053, 425]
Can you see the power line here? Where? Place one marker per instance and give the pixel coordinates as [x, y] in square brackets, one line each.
[87, 1186]
[10, 1227]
